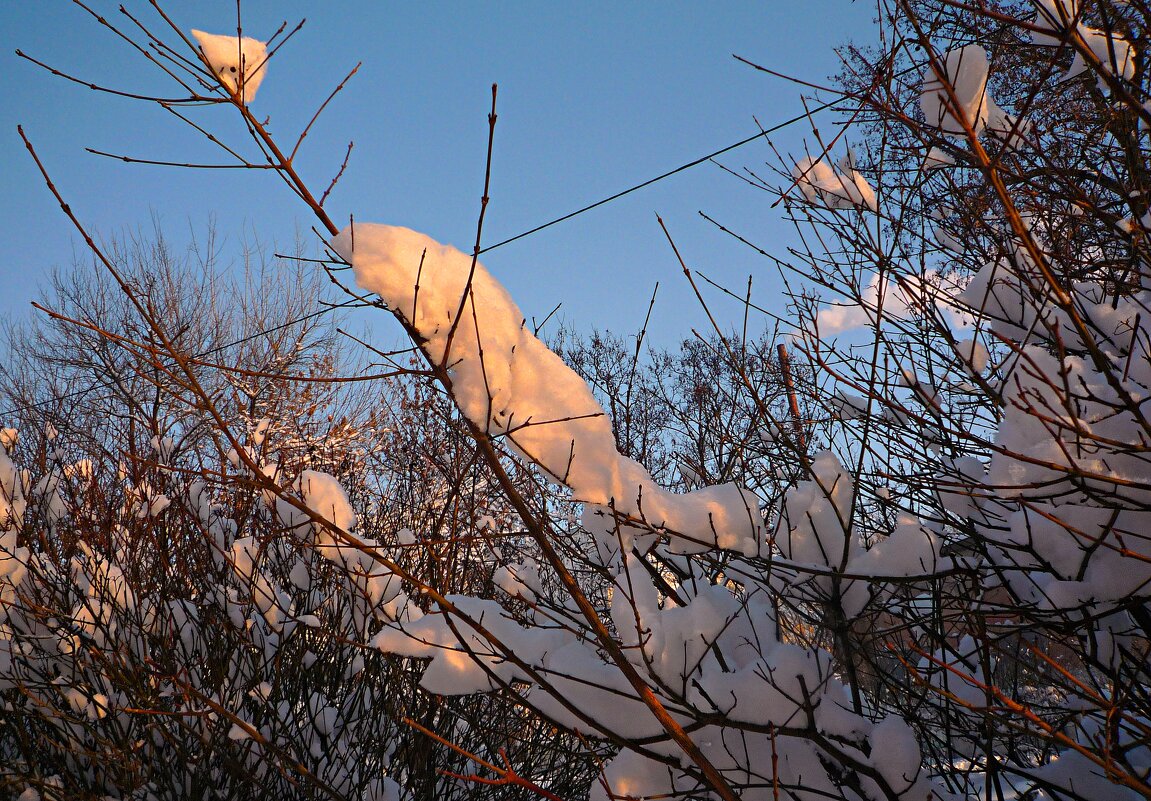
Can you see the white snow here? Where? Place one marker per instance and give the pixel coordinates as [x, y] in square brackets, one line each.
[239, 63]
[845, 188]
[973, 354]
[937, 158]
[886, 297]
[964, 71]
[1059, 22]
[1053, 18]
[510, 385]
[1114, 53]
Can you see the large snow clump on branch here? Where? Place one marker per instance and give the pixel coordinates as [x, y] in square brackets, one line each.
[509, 384]
[231, 57]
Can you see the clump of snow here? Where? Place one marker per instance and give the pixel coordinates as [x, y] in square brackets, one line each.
[1002, 293]
[323, 495]
[910, 550]
[815, 528]
[815, 524]
[848, 406]
[1011, 130]
[898, 756]
[886, 297]
[1065, 487]
[239, 63]
[823, 184]
[1057, 22]
[963, 664]
[959, 486]
[511, 385]
[164, 447]
[13, 569]
[973, 354]
[520, 580]
[963, 71]
[145, 502]
[1115, 54]
[464, 660]
[954, 98]
[12, 502]
[937, 158]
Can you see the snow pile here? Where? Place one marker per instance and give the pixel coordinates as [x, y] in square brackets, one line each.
[973, 353]
[1066, 495]
[956, 669]
[12, 502]
[1082, 510]
[323, 495]
[464, 660]
[1115, 55]
[1008, 293]
[1007, 128]
[702, 646]
[815, 526]
[1053, 18]
[13, 558]
[937, 158]
[239, 63]
[13, 569]
[509, 384]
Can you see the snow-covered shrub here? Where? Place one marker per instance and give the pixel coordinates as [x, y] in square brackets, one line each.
[170, 627]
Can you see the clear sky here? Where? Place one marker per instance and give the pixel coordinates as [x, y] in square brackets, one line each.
[594, 97]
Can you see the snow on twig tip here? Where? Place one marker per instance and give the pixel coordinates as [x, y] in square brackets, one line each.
[240, 64]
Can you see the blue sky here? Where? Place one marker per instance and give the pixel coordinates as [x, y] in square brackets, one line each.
[594, 97]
